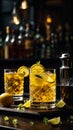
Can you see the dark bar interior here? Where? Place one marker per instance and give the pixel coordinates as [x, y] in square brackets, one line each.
[37, 31]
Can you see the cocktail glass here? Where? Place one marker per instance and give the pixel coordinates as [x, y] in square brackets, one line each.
[43, 89]
[14, 84]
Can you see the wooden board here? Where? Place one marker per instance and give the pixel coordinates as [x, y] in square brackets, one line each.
[39, 113]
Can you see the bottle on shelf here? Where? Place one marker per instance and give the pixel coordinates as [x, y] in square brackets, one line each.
[60, 38]
[1, 45]
[52, 45]
[48, 48]
[12, 46]
[67, 39]
[28, 42]
[20, 44]
[6, 43]
[39, 45]
[42, 48]
[47, 41]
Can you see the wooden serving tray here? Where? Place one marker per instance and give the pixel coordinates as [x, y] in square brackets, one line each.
[37, 112]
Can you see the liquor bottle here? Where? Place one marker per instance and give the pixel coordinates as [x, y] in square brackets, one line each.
[37, 38]
[42, 48]
[28, 42]
[47, 41]
[1, 45]
[48, 48]
[36, 43]
[6, 43]
[67, 40]
[56, 38]
[12, 45]
[20, 45]
[39, 44]
[61, 40]
[52, 45]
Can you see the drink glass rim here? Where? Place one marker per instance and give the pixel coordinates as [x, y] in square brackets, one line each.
[10, 70]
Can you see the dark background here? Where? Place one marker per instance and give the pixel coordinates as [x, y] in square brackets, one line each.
[61, 11]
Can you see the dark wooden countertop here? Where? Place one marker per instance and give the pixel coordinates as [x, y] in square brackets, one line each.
[33, 119]
[25, 124]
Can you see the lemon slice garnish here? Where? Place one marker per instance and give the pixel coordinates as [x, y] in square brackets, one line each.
[47, 77]
[23, 71]
[37, 68]
[27, 104]
[50, 80]
[60, 104]
[55, 121]
[51, 77]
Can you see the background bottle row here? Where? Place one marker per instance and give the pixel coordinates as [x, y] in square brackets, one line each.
[37, 43]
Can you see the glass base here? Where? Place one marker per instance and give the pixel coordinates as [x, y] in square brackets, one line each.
[18, 98]
[44, 105]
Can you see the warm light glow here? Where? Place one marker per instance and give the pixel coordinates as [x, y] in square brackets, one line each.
[24, 4]
[49, 20]
[15, 17]
[16, 20]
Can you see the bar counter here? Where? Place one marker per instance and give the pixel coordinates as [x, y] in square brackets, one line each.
[33, 119]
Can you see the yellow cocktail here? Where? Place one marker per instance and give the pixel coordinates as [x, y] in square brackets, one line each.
[42, 86]
[14, 81]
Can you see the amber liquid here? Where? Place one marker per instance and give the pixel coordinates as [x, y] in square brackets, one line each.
[42, 93]
[67, 94]
[14, 84]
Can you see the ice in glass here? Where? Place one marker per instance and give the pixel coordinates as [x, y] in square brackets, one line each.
[42, 86]
[14, 81]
